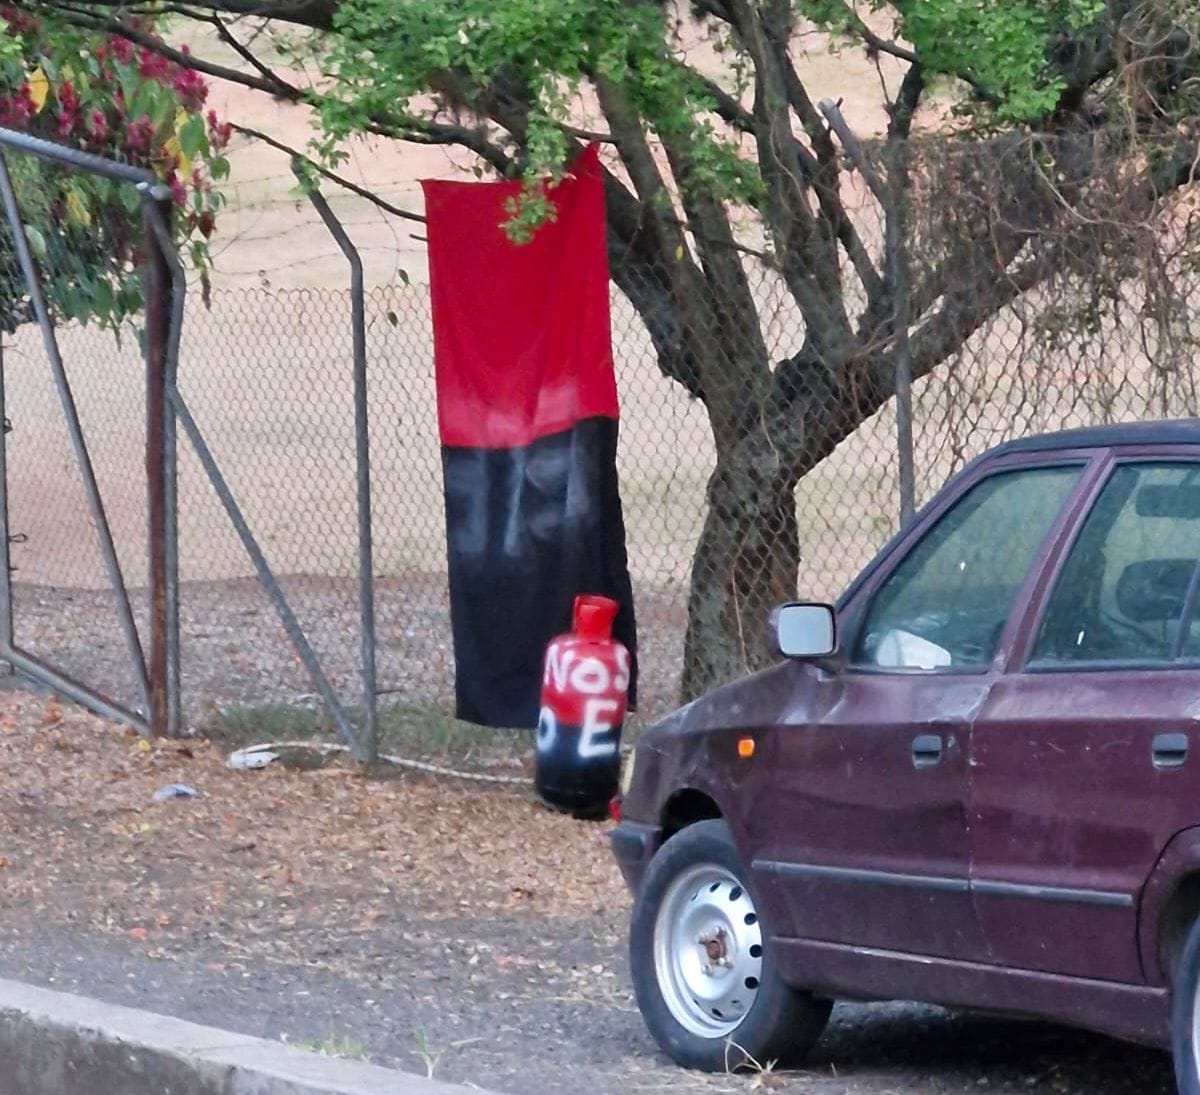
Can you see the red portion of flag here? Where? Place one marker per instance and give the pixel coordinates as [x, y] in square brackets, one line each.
[522, 340]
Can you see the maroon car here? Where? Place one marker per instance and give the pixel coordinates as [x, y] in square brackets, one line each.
[969, 784]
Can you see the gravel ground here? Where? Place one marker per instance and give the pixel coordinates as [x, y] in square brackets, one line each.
[235, 652]
[425, 925]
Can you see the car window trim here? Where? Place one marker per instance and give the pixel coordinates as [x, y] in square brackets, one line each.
[915, 671]
[859, 600]
[1021, 659]
[1125, 665]
[1186, 613]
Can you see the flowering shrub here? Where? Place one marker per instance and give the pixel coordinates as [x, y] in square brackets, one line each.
[107, 96]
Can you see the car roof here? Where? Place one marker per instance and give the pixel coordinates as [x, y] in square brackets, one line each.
[1178, 431]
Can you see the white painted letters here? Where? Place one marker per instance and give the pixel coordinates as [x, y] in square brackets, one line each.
[621, 684]
[588, 676]
[547, 730]
[595, 726]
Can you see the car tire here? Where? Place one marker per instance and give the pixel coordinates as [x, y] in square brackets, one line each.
[701, 962]
[1185, 1015]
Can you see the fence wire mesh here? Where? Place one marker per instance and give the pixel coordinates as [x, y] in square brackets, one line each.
[267, 375]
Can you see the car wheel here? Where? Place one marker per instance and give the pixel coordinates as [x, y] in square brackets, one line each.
[1185, 1016]
[701, 964]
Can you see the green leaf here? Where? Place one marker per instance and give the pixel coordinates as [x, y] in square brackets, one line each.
[37, 242]
[102, 298]
[193, 137]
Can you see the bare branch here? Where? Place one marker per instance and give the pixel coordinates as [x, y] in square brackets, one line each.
[317, 14]
[728, 107]
[325, 173]
[247, 54]
[902, 110]
[856, 27]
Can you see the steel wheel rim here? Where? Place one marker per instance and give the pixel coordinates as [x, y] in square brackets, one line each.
[708, 953]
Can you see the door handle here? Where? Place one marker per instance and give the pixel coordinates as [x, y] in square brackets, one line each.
[1169, 751]
[926, 750]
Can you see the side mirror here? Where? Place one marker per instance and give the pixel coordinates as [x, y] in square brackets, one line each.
[806, 630]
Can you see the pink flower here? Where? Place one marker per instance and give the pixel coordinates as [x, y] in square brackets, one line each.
[152, 65]
[20, 24]
[122, 49]
[178, 191]
[191, 88]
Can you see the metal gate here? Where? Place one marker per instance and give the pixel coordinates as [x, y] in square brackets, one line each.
[152, 646]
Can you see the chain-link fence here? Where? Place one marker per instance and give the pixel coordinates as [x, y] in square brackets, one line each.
[267, 375]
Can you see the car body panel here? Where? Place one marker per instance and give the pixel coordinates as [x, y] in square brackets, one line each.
[1179, 863]
[1140, 1013]
[866, 844]
[1057, 868]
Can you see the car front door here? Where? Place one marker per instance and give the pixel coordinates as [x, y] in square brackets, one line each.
[1080, 758]
[867, 805]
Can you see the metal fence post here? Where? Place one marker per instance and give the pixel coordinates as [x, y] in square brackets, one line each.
[362, 452]
[160, 481]
[892, 196]
[6, 613]
[157, 210]
[897, 263]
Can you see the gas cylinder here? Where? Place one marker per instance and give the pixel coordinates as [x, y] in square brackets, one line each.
[585, 683]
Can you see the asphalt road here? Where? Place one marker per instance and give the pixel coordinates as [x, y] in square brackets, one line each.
[514, 1005]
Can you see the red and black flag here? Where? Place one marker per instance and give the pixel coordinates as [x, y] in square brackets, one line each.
[527, 411]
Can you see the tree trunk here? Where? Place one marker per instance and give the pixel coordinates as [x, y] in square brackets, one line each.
[746, 562]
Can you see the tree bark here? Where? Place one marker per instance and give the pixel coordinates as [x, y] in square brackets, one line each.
[745, 563]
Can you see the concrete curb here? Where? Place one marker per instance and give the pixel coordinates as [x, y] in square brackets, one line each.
[54, 1043]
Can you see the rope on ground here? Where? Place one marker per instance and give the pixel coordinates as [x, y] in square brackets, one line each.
[259, 756]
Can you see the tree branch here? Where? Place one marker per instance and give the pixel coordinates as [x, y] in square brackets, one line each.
[743, 366]
[727, 106]
[902, 110]
[227, 36]
[412, 130]
[273, 86]
[325, 173]
[317, 14]
[665, 238]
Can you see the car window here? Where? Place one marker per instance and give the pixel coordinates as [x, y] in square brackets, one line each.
[1123, 589]
[946, 604]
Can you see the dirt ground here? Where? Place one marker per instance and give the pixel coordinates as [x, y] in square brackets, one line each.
[433, 926]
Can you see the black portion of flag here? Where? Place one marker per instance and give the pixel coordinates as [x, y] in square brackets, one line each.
[528, 529]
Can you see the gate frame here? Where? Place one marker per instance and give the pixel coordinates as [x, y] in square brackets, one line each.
[158, 681]
[165, 295]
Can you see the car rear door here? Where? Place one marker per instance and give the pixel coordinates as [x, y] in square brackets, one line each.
[867, 804]
[1078, 755]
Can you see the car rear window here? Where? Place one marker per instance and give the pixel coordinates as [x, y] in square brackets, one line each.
[1127, 590]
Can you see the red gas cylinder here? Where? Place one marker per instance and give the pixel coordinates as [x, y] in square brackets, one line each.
[584, 692]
